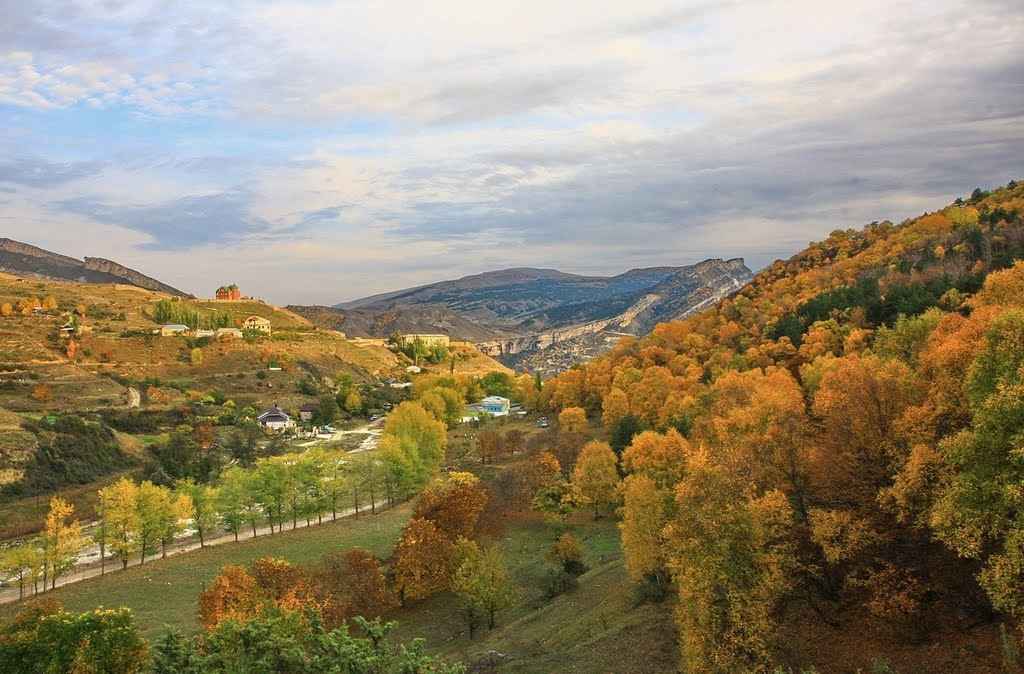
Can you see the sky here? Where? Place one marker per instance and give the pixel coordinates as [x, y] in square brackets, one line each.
[316, 151]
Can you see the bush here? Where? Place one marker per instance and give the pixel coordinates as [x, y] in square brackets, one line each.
[557, 582]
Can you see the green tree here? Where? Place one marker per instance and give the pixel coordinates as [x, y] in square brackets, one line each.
[418, 436]
[978, 510]
[204, 503]
[327, 411]
[237, 500]
[25, 564]
[270, 485]
[483, 582]
[49, 639]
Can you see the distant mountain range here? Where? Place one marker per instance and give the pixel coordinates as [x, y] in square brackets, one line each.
[516, 314]
[543, 318]
[22, 259]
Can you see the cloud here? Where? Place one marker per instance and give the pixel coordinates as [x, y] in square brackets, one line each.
[38, 172]
[181, 224]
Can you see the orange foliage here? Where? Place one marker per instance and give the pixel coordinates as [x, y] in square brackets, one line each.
[233, 594]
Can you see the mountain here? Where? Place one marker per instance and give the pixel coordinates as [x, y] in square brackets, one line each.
[22, 259]
[370, 323]
[548, 319]
[524, 299]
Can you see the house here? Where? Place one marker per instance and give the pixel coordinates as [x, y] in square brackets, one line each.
[275, 419]
[203, 333]
[230, 292]
[227, 333]
[307, 411]
[413, 369]
[427, 340]
[174, 329]
[257, 323]
[495, 405]
[394, 383]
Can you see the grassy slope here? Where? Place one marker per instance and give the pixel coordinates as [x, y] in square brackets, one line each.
[165, 591]
[598, 627]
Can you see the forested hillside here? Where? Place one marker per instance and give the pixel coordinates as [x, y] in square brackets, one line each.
[837, 444]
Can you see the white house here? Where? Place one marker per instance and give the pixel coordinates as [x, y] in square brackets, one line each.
[275, 419]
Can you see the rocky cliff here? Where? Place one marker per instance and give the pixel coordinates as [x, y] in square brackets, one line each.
[683, 293]
[22, 259]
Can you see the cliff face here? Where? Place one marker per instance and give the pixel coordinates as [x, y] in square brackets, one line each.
[130, 275]
[684, 293]
[22, 259]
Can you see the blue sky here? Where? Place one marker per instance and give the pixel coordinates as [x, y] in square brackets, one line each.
[316, 152]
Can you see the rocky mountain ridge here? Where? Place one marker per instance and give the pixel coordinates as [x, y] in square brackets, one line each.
[530, 311]
[22, 259]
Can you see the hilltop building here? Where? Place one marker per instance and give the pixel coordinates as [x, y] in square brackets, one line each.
[230, 292]
[427, 340]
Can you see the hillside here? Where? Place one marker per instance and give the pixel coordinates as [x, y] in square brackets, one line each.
[22, 259]
[823, 465]
[381, 324]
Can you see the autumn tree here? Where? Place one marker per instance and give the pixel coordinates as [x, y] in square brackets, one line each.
[595, 478]
[659, 456]
[43, 393]
[353, 584]
[122, 520]
[234, 594]
[422, 560]
[613, 408]
[728, 558]
[645, 513]
[453, 504]
[573, 419]
[62, 541]
[567, 552]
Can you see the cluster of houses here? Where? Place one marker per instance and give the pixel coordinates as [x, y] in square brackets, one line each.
[255, 323]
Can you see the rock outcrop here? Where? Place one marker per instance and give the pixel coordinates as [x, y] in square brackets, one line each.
[22, 259]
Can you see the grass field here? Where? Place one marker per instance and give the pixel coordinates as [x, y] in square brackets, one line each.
[164, 591]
